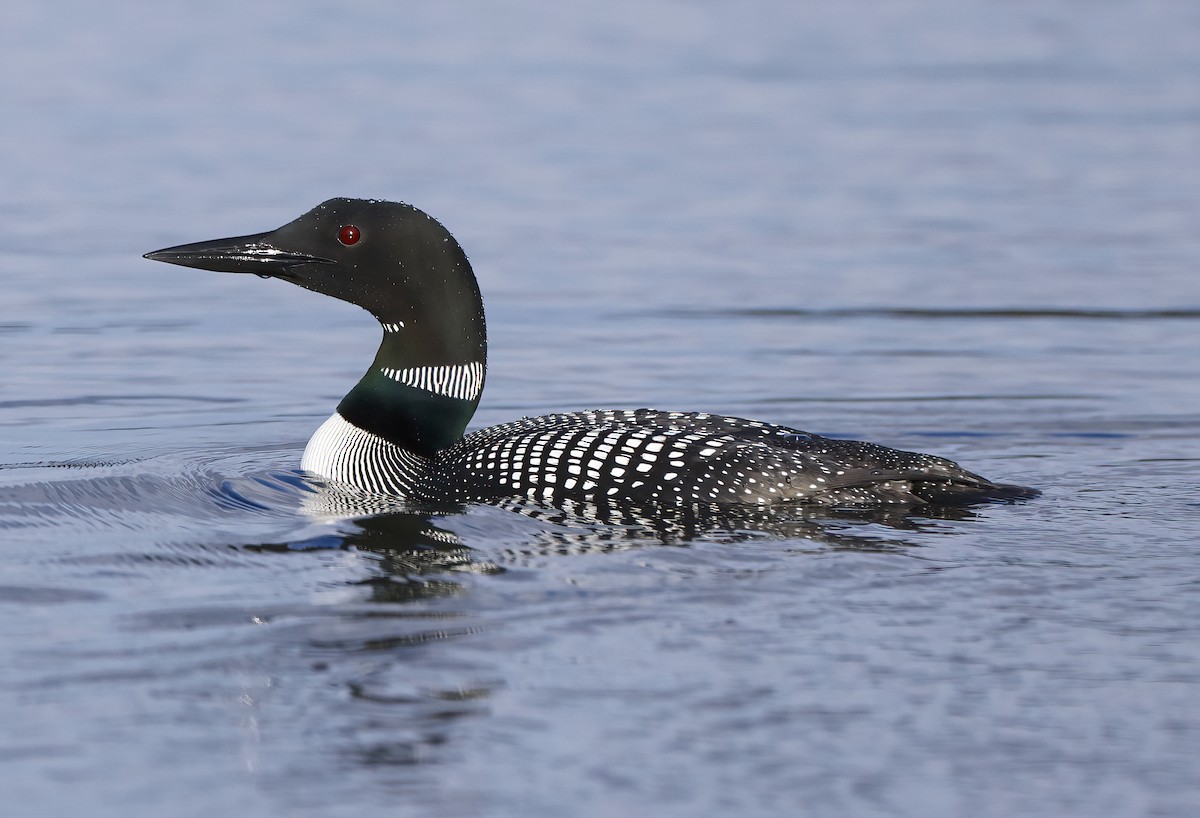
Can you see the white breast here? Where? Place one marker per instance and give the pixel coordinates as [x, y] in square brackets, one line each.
[341, 451]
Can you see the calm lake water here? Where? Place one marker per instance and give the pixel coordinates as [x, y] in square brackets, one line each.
[969, 228]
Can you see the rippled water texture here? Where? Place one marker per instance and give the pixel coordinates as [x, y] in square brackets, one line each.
[967, 228]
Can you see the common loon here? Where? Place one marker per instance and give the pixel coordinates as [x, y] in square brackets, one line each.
[400, 430]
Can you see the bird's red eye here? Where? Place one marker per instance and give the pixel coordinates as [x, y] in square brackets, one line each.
[349, 235]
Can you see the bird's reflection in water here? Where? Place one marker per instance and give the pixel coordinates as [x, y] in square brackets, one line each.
[415, 655]
[419, 552]
[416, 555]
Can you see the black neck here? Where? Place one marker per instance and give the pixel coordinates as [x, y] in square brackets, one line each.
[440, 326]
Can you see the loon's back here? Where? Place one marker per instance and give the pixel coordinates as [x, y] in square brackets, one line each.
[654, 457]
[651, 457]
[399, 431]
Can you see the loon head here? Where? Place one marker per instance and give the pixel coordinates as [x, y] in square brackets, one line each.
[404, 268]
[389, 258]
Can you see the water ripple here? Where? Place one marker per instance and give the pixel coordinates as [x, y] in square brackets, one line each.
[933, 313]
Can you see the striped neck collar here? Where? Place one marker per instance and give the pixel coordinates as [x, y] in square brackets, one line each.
[424, 384]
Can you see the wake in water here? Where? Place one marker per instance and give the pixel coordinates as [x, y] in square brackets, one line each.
[226, 502]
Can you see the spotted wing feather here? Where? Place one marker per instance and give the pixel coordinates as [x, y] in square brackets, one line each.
[654, 457]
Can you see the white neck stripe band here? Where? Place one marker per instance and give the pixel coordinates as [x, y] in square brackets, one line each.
[462, 381]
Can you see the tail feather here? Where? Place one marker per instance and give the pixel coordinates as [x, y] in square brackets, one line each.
[956, 492]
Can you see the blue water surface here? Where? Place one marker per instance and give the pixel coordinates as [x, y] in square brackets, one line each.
[968, 228]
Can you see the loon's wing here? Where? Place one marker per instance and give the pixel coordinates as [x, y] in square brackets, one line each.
[931, 479]
[650, 456]
[854, 472]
